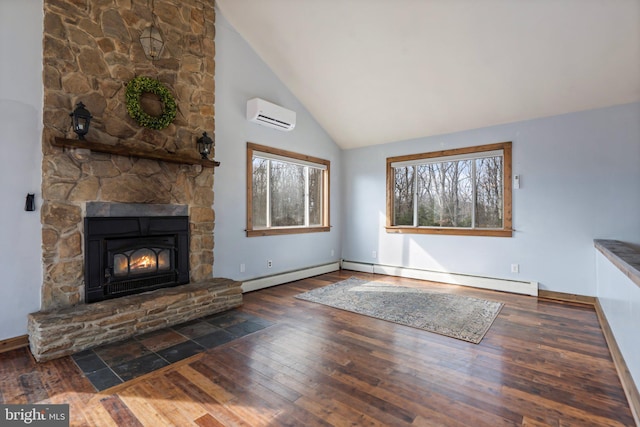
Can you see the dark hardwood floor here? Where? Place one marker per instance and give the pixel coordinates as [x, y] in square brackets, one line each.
[542, 363]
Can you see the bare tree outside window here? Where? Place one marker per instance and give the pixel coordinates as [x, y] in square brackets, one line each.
[288, 192]
[260, 193]
[315, 197]
[403, 202]
[445, 194]
[464, 190]
[489, 192]
[287, 188]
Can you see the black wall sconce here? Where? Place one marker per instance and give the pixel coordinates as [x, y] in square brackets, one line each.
[30, 203]
[80, 120]
[204, 145]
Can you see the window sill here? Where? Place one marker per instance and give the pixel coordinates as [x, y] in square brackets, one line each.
[450, 231]
[282, 231]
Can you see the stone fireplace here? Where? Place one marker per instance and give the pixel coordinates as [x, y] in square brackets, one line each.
[90, 51]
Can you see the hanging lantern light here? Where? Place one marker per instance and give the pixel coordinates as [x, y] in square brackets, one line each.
[152, 42]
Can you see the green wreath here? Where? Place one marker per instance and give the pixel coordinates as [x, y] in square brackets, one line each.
[139, 85]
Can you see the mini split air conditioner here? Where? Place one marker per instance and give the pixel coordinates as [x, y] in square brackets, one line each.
[271, 115]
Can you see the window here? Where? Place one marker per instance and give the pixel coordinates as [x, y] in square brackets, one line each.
[287, 192]
[465, 191]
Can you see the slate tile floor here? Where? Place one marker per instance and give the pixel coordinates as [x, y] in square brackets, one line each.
[113, 364]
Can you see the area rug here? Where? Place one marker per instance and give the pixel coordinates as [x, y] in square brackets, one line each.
[455, 316]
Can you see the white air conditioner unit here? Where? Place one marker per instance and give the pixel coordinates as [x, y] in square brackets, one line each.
[271, 115]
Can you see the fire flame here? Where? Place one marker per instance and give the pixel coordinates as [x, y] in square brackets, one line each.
[141, 261]
[144, 262]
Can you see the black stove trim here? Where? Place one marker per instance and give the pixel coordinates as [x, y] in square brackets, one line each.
[99, 231]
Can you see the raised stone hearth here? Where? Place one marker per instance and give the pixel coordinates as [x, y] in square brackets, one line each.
[63, 332]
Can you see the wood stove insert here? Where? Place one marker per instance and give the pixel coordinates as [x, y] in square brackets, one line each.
[129, 255]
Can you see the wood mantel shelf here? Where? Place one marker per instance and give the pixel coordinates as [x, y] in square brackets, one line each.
[128, 151]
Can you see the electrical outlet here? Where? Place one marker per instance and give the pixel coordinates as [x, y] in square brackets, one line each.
[269, 263]
[374, 254]
[515, 268]
[332, 252]
[242, 267]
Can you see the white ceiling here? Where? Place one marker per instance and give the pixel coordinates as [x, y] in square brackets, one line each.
[377, 71]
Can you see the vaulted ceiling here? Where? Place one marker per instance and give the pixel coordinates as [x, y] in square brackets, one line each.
[377, 71]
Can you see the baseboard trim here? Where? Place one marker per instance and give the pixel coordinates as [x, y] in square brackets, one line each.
[504, 285]
[14, 343]
[289, 276]
[561, 296]
[628, 385]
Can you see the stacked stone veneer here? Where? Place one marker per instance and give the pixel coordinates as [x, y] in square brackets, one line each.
[91, 50]
[67, 331]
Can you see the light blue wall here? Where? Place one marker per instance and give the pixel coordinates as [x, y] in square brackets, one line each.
[580, 180]
[619, 298]
[20, 162]
[242, 75]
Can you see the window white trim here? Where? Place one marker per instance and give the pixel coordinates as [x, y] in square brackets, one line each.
[299, 162]
[444, 159]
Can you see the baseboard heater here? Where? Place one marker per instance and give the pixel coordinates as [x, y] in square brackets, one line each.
[505, 285]
[290, 276]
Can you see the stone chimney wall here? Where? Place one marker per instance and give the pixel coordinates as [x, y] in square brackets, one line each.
[91, 50]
